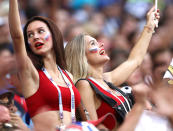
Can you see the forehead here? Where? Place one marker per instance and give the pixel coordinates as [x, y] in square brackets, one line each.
[36, 24]
[89, 38]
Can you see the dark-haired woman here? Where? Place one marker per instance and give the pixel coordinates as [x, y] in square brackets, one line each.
[50, 94]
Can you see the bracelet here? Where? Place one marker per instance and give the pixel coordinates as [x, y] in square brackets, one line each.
[149, 29]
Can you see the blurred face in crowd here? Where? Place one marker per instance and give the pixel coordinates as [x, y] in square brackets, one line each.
[95, 52]
[7, 65]
[62, 19]
[7, 100]
[161, 63]
[5, 54]
[147, 64]
[135, 77]
[39, 37]
[4, 31]
[5, 115]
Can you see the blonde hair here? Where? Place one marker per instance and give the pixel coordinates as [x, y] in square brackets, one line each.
[76, 59]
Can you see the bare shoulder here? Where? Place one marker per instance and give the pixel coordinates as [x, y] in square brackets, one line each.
[82, 83]
[84, 87]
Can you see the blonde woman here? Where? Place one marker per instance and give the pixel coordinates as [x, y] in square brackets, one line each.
[86, 58]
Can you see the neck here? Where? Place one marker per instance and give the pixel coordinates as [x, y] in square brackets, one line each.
[96, 73]
[50, 62]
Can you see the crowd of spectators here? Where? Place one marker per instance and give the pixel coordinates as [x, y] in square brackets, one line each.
[116, 23]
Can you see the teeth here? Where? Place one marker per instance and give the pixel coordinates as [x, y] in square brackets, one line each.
[102, 52]
[39, 44]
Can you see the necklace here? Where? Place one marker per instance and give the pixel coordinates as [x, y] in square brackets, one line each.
[113, 93]
[69, 85]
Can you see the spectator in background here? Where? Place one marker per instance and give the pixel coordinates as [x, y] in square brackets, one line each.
[4, 30]
[62, 18]
[5, 115]
[138, 8]
[117, 57]
[6, 99]
[161, 59]
[143, 74]
[4, 8]
[72, 31]
[164, 106]
[7, 65]
[19, 100]
[160, 116]
[112, 10]
[9, 78]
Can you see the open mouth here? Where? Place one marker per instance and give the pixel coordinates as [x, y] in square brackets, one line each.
[38, 45]
[102, 52]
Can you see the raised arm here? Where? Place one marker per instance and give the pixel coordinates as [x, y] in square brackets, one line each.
[16, 29]
[122, 72]
[28, 74]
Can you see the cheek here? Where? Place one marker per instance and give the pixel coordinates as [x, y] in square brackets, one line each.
[93, 50]
[47, 37]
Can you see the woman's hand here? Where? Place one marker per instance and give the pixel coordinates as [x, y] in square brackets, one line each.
[153, 17]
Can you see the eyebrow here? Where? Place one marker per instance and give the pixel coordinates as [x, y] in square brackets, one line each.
[92, 41]
[36, 29]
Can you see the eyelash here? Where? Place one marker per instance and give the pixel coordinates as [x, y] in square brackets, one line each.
[29, 35]
[40, 31]
[93, 43]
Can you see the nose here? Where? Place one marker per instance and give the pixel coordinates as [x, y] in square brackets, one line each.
[101, 44]
[36, 37]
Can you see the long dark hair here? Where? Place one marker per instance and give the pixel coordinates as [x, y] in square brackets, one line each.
[58, 45]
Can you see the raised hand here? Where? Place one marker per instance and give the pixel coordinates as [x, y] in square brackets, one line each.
[153, 17]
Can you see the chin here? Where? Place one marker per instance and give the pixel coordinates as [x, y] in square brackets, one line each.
[106, 59]
[39, 53]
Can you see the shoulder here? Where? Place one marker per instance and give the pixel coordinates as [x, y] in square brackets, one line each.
[84, 87]
[82, 83]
